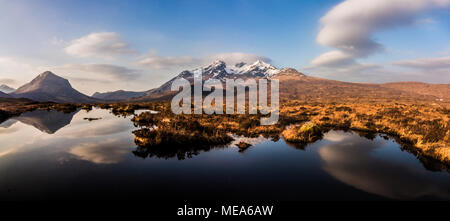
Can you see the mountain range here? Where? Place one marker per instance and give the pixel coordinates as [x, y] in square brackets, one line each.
[296, 85]
[216, 70]
[117, 95]
[302, 87]
[6, 89]
[293, 85]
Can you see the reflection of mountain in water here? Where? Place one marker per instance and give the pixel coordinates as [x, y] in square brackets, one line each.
[8, 123]
[46, 121]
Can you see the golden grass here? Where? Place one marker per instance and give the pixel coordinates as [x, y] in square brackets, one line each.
[306, 133]
[423, 125]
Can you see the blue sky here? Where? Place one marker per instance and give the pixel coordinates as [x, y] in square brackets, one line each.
[397, 40]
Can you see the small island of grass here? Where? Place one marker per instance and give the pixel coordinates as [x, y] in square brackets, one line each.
[307, 133]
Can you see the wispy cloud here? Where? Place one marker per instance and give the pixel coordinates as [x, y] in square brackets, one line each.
[7, 81]
[424, 21]
[236, 57]
[87, 80]
[169, 62]
[99, 44]
[425, 63]
[107, 71]
[333, 59]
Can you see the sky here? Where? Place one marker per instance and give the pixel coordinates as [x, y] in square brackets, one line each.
[138, 45]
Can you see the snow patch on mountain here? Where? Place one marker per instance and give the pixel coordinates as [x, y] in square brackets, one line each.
[219, 70]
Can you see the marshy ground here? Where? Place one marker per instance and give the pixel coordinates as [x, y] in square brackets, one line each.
[423, 127]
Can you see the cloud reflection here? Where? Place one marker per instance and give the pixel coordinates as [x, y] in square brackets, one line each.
[351, 160]
[106, 152]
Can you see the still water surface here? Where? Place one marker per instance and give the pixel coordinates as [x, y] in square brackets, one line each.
[51, 155]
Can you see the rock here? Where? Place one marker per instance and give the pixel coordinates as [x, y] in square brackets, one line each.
[243, 146]
[92, 118]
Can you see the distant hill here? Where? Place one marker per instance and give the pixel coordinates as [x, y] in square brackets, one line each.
[440, 91]
[3, 95]
[50, 87]
[6, 89]
[117, 95]
[296, 85]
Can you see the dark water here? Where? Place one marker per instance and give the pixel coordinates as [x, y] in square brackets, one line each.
[50, 155]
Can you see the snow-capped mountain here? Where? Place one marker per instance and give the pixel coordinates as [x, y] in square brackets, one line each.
[219, 70]
[259, 69]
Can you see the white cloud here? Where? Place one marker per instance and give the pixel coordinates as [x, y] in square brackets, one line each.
[169, 62]
[160, 62]
[236, 57]
[333, 58]
[108, 71]
[98, 44]
[350, 25]
[426, 63]
[349, 28]
[355, 72]
[104, 152]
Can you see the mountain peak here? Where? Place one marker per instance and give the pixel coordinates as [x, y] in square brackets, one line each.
[46, 79]
[291, 71]
[6, 89]
[240, 64]
[48, 74]
[215, 70]
[48, 86]
[218, 62]
[259, 69]
[261, 63]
